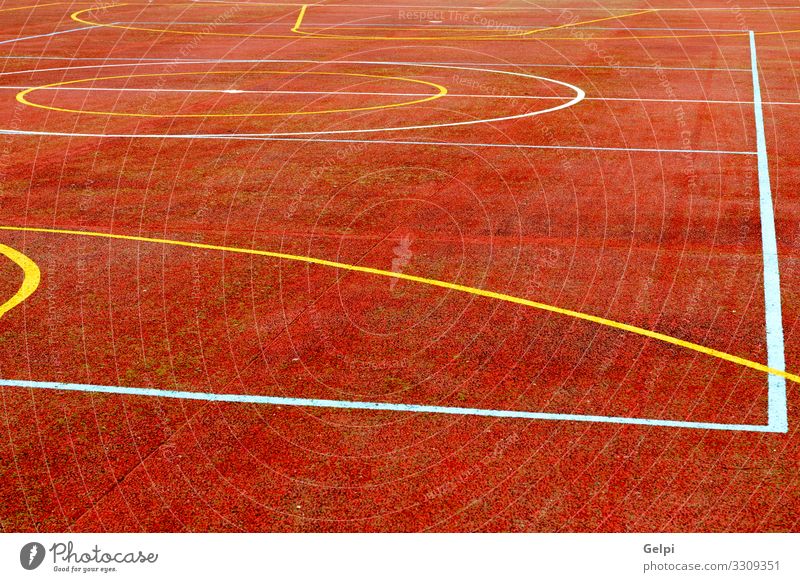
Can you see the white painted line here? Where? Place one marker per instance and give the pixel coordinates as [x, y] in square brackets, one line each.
[133, 61]
[393, 94]
[579, 95]
[80, 67]
[778, 414]
[378, 406]
[316, 136]
[46, 35]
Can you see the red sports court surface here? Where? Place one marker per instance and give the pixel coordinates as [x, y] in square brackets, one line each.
[449, 266]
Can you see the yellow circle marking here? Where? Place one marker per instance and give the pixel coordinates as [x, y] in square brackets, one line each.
[435, 283]
[524, 35]
[30, 282]
[22, 95]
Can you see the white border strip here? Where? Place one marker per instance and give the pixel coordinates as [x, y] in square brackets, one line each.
[778, 414]
[135, 60]
[379, 406]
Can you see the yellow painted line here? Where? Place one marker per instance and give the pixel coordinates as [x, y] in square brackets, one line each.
[459, 9]
[441, 92]
[542, 31]
[300, 17]
[30, 282]
[434, 283]
[31, 7]
[77, 17]
[512, 36]
[582, 23]
[472, 30]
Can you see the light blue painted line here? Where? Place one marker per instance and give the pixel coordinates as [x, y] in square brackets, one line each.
[257, 137]
[45, 35]
[778, 413]
[380, 406]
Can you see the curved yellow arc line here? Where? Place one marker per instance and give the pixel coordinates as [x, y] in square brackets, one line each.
[76, 17]
[29, 283]
[435, 283]
[21, 97]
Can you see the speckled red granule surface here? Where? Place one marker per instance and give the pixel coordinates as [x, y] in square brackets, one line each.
[638, 231]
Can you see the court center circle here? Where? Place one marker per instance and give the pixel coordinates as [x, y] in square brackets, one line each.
[441, 91]
[568, 102]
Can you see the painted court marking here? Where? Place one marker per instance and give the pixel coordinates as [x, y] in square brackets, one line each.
[256, 137]
[516, 36]
[48, 34]
[769, 247]
[315, 136]
[579, 96]
[379, 406]
[145, 61]
[463, 289]
[30, 282]
[367, 26]
[450, 94]
[441, 91]
[410, 63]
[31, 6]
[78, 16]
[775, 368]
[521, 35]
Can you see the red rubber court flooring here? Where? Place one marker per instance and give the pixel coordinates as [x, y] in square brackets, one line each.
[600, 158]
